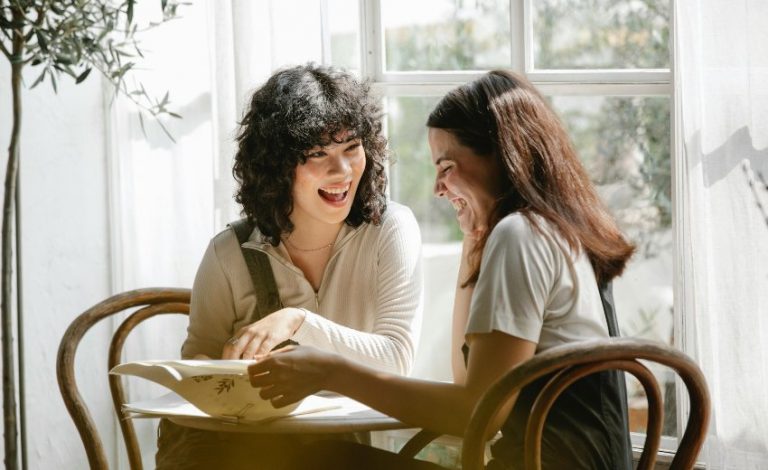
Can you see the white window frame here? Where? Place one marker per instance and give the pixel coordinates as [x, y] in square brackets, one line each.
[596, 82]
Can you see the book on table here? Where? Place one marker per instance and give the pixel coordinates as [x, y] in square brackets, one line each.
[218, 389]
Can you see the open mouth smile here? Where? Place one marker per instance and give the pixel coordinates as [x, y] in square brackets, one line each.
[335, 194]
[458, 204]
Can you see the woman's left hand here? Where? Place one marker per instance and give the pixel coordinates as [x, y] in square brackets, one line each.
[292, 373]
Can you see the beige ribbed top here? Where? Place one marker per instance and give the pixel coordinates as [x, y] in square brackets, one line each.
[368, 306]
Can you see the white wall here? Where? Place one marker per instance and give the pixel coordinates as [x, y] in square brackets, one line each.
[65, 251]
[77, 152]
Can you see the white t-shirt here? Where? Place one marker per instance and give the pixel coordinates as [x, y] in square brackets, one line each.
[533, 286]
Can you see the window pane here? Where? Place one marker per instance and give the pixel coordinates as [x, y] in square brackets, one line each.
[608, 34]
[445, 34]
[343, 25]
[412, 175]
[625, 145]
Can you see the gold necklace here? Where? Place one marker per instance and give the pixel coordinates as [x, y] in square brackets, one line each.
[291, 245]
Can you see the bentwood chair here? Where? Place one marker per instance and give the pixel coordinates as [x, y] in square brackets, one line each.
[148, 303]
[567, 364]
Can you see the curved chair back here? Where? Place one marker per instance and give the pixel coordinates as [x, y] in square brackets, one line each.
[570, 362]
[153, 301]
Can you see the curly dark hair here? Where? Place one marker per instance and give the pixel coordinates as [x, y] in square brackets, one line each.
[295, 110]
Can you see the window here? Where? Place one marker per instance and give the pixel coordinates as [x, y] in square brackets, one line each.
[605, 67]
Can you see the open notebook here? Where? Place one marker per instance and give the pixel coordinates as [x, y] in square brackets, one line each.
[210, 388]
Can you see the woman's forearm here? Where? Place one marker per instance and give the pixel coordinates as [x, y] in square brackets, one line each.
[461, 302]
[389, 347]
[440, 407]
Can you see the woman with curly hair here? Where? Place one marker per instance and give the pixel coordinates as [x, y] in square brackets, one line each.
[540, 250]
[346, 263]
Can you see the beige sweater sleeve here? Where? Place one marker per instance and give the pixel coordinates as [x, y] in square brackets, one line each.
[212, 311]
[391, 344]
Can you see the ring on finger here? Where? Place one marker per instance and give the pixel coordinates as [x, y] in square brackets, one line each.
[233, 340]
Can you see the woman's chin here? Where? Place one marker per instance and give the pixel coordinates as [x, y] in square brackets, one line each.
[471, 229]
[466, 227]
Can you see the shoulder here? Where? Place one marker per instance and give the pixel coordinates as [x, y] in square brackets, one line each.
[398, 219]
[397, 213]
[225, 240]
[225, 246]
[517, 229]
[524, 239]
[398, 233]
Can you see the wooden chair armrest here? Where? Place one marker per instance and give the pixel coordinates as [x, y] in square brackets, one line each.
[418, 442]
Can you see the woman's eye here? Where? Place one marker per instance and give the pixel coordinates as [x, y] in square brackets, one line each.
[318, 154]
[353, 147]
[444, 170]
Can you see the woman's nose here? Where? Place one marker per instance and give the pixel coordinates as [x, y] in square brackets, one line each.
[439, 189]
[338, 164]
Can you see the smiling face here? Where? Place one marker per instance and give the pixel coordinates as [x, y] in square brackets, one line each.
[324, 186]
[471, 182]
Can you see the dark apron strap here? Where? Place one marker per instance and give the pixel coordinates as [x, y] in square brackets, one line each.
[264, 285]
[587, 426]
[262, 277]
[606, 297]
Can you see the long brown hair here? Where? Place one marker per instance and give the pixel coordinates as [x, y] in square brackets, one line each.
[501, 115]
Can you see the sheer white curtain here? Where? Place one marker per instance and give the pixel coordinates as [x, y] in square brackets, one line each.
[169, 198]
[161, 191]
[722, 89]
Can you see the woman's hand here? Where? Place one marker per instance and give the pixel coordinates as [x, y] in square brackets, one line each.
[260, 337]
[292, 373]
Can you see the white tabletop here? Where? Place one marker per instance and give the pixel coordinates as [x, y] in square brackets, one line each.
[317, 414]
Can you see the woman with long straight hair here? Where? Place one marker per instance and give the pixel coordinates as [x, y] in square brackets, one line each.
[539, 253]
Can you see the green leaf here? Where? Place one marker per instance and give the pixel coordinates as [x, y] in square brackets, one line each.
[42, 42]
[53, 82]
[102, 34]
[141, 123]
[162, 126]
[130, 11]
[172, 114]
[83, 75]
[39, 79]
[69, 71]
[63, 60]
[123, 53]
[5, 23]
[125, 68]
